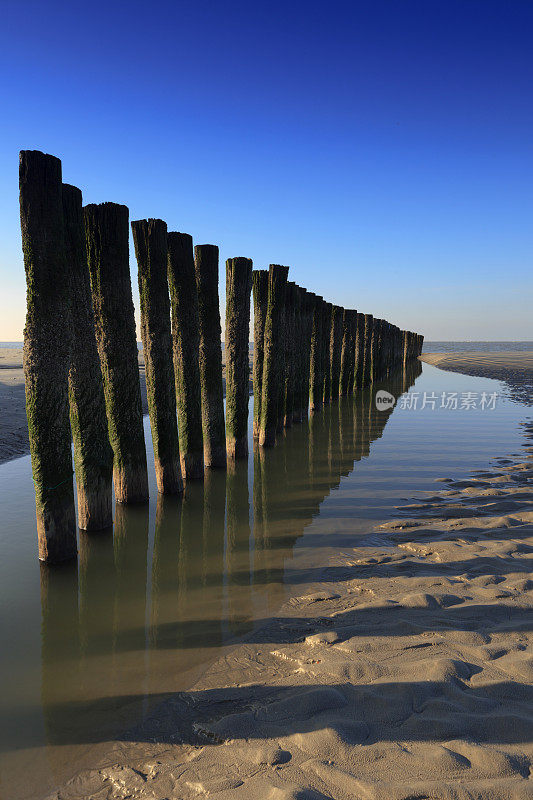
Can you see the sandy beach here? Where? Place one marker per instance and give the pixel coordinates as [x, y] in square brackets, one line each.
[406, 673]
[515, 369]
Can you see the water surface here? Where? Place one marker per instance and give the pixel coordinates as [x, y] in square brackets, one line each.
[88, 649]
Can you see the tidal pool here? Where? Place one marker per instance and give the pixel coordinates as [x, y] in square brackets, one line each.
[88, 649]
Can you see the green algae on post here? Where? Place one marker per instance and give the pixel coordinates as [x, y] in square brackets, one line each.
[150, 240]
[210, 358]
[107, 234]
[236, 345]
[186, 345]
[46, 353]
[260, 294]
[93, 455]
[272, 363]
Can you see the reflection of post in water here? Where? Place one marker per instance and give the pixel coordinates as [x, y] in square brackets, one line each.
[97, 607]
[238, 548]
[130, 548]
[346, 426]
[334, 444]
[318, 450]
[201, 562]
[59, 650]
[165, 570]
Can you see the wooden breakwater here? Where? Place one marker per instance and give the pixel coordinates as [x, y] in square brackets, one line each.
[81, 364]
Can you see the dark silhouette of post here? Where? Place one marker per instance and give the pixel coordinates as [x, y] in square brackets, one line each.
[106, 229]
[347, 348]
[304, 323]
[46, 353]
[150, 240]
[359, 354]
[367, 365]
[185, 345]
[326, 344]
[288, 388]
[316, 358]
[213, 427]
[260, 294]
[335, 344]
[236, 343]
[272, 364]
[93, 456]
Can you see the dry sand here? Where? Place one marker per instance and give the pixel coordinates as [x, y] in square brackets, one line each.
[406, 675]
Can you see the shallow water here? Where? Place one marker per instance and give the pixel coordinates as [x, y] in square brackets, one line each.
[88, 649]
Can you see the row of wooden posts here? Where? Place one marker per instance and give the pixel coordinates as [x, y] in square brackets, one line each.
[81, 358]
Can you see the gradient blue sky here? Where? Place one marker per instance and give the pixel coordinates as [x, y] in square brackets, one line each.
[382, 149]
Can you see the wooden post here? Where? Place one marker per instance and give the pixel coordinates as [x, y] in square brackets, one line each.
[326, 344]
[106, 229]
[272, 366]
[206, 268]
[46, 353]
[186, 344]
[238, 288]
[288, 389]
[347, 351]
[367, 362]
[150, 240]
[335, 350]
[260, 294]
[300, 301]
[307, 305]
[316, 367]
[93, 456]
[359, 355]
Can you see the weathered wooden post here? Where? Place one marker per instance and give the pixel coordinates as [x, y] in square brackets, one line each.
[93, 456]
[46, 353]
[289, 349]
[326, 343]
[367, 362]
[335, 350]
[307, 303]
[316, 366]
[186, 344]
[238, 288]
[300, 301]
[260, 295]
[206, 268]
[377, 351]
[272, 364]
[405, 347]
[347, 351]
[106, 229]
[359, 354]
[150, 240]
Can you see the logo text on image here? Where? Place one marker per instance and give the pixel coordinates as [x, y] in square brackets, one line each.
[384, 400]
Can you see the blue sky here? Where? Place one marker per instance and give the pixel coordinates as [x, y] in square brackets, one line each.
[382, 149]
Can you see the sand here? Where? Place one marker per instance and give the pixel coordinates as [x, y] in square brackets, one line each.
[405, 674]
[514, 369]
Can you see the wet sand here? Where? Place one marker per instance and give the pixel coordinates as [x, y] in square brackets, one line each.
[515, 369]
[406, 672]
